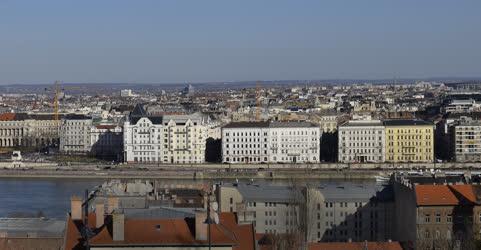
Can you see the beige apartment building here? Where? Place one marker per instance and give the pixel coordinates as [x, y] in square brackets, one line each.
[409, 141]
[439, 216]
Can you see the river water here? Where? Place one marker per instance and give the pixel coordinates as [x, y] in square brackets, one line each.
[51, 197]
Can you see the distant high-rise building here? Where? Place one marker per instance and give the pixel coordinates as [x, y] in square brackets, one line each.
[188, 90]
[126, 93]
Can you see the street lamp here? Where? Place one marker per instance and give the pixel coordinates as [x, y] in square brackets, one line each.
[208, 220]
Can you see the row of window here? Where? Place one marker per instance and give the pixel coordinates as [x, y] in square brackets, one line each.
[410, 158]
[345, 204]
[258, 159]
[361, 132]
[362, 151]
[410, 150]
[165, 160]
[296, 132]
[408, 131]
[361, 138]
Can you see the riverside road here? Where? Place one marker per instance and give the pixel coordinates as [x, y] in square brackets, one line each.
[216, 171]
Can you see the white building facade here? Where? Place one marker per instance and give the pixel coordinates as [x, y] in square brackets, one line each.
[75, 134]
[294, 142]
[361, 141]
[28, 130]
[270, 142]
[164, 139]
[143, 139]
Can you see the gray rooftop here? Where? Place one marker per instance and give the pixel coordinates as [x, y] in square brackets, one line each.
[139, 112]
[362, 123]
[247, 125]
[265, 193]
[271, 124]
[33, 227]
[332, 192]
[159, 213]
[300, 124]
[355, 192]
[195, 117]
[406, 122]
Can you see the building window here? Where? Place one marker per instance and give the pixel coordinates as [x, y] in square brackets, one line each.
[427, 218]
[426, 234]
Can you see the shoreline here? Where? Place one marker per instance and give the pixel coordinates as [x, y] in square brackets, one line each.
[193, 174]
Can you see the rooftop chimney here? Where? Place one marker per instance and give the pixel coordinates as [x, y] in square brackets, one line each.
[112, 204]
[99, 214]
[200, 225]
[76, 208]
[118, 220]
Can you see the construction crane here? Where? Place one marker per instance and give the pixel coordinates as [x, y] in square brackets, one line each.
[57, 90]
[56, 93]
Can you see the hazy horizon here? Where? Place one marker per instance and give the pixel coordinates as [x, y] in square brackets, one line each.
[387, 80]
[162, 42]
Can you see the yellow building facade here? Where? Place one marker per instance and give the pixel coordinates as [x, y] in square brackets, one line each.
[409, 141]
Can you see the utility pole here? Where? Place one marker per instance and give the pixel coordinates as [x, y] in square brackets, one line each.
[208, 220]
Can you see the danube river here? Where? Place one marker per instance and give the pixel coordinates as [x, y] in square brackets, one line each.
[51, 197]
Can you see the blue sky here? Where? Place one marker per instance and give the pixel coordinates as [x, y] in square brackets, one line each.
[166, 41]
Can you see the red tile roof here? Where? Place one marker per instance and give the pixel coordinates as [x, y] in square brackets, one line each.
[172, 231]
[177, 231]
[466, 191]
[7, 117]
[244, 234]
[105, 126]
[73, 238]
[355, 246]
[435, 195]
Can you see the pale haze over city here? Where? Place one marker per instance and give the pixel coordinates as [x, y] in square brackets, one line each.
[240, 125]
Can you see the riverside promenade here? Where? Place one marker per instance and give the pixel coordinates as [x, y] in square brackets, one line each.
[221, 171]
